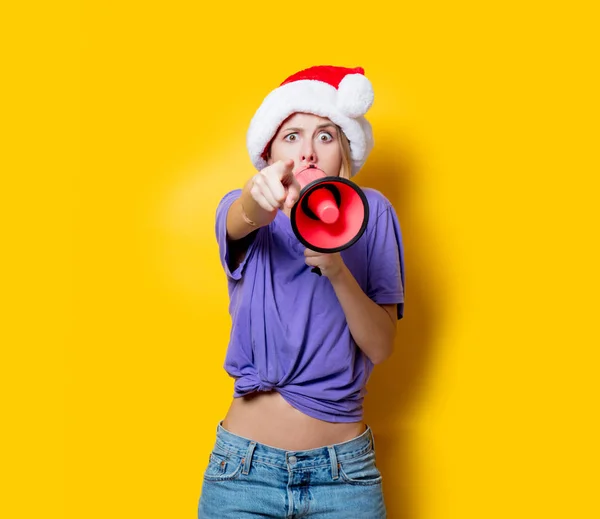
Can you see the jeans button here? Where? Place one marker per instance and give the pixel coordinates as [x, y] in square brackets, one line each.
[292, 459]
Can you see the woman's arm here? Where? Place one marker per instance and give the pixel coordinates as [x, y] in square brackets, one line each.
[372, 326]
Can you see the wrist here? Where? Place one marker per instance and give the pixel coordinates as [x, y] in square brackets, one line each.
[251, 212]
[245, 216]
[339, 276]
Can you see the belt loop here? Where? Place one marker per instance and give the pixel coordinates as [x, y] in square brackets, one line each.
[248, 458]
[372, 438]
[334, 462]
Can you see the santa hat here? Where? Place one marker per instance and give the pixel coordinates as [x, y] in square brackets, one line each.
[343, 95]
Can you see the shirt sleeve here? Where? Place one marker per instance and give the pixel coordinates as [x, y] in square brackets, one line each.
[228, 249]
[385, 283]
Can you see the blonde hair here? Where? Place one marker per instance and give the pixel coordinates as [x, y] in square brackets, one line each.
[346, 167]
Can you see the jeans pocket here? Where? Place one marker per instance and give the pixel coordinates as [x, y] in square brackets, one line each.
[361, 470]
[223, 465]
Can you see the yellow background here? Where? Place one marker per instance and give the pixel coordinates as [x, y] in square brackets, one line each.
[126, 124]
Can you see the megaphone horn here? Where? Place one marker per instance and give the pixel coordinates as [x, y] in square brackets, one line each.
[322, 204]
[331, 214]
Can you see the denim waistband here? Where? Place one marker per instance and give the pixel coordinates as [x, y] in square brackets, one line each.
[234, 444]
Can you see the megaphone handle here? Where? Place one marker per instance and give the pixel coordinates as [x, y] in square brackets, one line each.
[316, 270]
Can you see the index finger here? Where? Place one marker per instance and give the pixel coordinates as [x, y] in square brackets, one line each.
[285, 168]
[309, 253]
[293, 191]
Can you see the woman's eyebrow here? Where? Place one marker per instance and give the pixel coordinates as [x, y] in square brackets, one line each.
[321, 126]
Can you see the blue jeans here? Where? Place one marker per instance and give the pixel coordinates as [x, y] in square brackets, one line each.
[245, 479]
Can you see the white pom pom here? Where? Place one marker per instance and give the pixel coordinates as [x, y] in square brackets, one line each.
[355, 95]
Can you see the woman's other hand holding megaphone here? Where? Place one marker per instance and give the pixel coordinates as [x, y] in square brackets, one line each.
[330, 264]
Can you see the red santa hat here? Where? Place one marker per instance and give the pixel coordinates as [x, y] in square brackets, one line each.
[343, 95]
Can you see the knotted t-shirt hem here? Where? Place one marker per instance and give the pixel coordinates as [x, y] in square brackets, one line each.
[299, 401]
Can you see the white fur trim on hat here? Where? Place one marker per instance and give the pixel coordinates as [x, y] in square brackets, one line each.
[345, 107]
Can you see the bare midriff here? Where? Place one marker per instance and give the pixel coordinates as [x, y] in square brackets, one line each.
[267, 418]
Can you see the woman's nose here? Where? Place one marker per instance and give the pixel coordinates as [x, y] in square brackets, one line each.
[308, 155]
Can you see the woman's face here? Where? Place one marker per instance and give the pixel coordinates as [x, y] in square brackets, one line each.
[308, 140]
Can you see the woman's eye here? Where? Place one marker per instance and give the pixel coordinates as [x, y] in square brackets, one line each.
[292, 137]
[325, 137]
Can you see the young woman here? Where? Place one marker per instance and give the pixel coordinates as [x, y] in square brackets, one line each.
[302, 346]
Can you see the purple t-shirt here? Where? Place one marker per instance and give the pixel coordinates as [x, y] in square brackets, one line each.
[289, 332]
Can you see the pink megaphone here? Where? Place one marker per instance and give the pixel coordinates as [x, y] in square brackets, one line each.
[331, 213]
